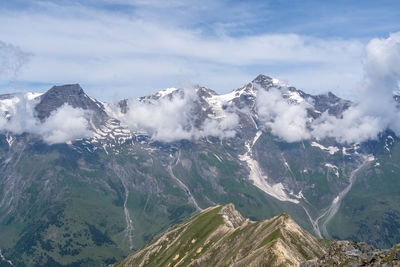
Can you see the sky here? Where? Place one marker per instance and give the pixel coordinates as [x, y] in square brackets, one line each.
[119, 49]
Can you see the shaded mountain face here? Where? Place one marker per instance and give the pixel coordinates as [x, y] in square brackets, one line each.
[72, 95]
[95, 200]
[220, 236]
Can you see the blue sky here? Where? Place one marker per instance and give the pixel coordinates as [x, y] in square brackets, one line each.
[122, 48]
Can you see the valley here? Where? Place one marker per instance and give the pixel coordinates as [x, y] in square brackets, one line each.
[96, 198]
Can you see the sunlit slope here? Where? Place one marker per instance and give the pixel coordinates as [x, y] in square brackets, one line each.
[220, 236]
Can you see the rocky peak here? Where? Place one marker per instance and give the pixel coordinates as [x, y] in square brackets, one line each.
[71, 94]
[205, 92]
[331, 103]
[263, 80]
[231, 216]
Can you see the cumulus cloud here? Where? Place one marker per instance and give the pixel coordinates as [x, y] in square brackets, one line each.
[173, 117]
[64, 124]
[165, 120]
[288, 121]
[375, 108]
[223, 127]
[12, 59]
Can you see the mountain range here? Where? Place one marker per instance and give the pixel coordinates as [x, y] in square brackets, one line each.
[84, 182]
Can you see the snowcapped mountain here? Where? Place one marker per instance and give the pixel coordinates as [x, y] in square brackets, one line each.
[106, 121]
[71, 165]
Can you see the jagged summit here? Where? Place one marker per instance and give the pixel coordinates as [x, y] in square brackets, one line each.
[261, 78]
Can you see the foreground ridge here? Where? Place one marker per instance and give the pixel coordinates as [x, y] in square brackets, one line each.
[220, 236]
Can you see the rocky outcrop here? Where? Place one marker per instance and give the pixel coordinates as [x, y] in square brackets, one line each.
[347, 253]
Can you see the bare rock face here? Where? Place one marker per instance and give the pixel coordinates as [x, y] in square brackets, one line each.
[231, 216]
[220, 236]
[73, 95]
[348, 253]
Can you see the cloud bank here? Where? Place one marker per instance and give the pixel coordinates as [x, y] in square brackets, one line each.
[374, 109]
[175, 117]
[64, 124]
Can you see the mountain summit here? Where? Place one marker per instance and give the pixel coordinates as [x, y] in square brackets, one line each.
[70, 94]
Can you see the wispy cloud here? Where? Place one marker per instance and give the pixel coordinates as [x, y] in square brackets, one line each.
[113, 50]
[12, 59]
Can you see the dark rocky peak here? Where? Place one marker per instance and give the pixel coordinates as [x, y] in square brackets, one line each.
[204, 92]
[263, 80]
[73, 95]
[7, 96]
[123, 105]
[267, 82]
[246, 96]
[331, 103]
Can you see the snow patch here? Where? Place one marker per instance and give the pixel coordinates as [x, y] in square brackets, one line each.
[218, 157]
[259, 179]
[331, 149]
[334, 168]
[217, 102]
[32, 96]
[10, 140]
[4, 259]
[295, 96]
[165, 92]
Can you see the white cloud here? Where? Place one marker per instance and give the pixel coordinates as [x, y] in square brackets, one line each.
[375, 109]
[18, 115]
[166, 120]
[64, 124]
[173, 118]
[110, 50]
[222, 128]
[353, 127]
[288, 121]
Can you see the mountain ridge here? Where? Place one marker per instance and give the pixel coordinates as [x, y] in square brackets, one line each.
[275, 242]
[124, 178]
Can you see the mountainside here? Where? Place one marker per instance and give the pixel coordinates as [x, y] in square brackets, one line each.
[220, 236]
[86, 182]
